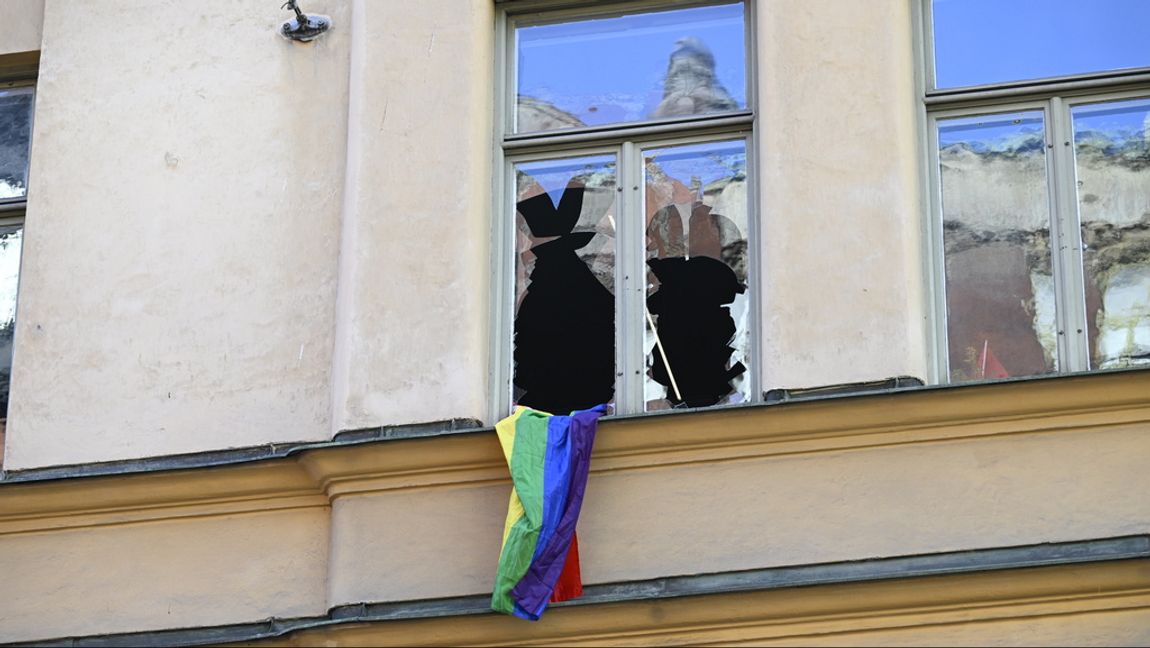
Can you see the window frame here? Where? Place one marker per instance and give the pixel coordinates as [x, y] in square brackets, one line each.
[1055, 97]
[13, 212]
[10, 205]
[625, 141]
[930, 69]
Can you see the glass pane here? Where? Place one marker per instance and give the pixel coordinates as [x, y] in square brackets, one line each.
[991, 41]
[11, 240]
[1112, 162]
[996, 233]
[564, 283]
[698, 307]
[15, 141]
[630, 68]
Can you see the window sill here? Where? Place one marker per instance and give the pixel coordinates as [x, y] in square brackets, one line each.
[461, 451]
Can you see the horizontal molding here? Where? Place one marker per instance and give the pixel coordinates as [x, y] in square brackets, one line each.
[390, 459]
[233, 456]
[907, 591]
[915, 416]
[71, 503]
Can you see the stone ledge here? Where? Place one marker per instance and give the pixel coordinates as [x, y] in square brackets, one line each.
[1019, 581]
[458, 452]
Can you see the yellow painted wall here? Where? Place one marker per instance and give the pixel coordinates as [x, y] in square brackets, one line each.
[1101, 604]
[172, 573]
[745, 510]
[808, 483]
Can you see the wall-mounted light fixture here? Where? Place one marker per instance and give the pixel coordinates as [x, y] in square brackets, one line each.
[304, 27]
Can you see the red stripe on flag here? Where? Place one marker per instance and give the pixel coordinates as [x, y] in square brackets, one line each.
[570, 583]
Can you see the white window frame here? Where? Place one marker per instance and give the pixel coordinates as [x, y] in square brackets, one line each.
[1055, 97]
[625, 141]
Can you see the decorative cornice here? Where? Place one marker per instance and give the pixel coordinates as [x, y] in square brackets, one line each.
[804, 601]
[384, 459]
[69, 503]
[917, 416]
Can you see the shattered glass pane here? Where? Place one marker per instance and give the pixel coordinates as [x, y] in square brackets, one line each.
[630, 68]
[996, 232]
[15, 141]
[564, 283]
[979, 42]
[11, 240]
[1112, 163]
[698, 306]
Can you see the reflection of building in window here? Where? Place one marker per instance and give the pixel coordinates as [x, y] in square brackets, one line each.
[640, 296]
[15, 143]
[1001, 292]
[697, 342]
[1042, 214]
[593, 70]
[691, 86]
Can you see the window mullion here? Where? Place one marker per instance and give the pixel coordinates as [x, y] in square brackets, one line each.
[936, 270]
[503, 288]
[630, 260]
[1066, 242]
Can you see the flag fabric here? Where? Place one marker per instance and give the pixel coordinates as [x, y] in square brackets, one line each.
[549, 458]
[991, 367]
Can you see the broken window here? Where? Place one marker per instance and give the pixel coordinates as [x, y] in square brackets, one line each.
[697, 311]
[1041, 164]
[565, 283]
[627, 209]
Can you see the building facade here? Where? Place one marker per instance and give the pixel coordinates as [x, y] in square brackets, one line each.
[870, 310]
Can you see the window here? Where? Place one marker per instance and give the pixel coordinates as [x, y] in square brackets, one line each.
[625, 212]
[1039, 130]
[16, 99]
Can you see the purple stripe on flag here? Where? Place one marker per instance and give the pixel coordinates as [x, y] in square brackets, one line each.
[534, 591]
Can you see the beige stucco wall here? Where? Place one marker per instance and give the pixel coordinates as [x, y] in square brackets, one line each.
[199, 192]
[413, 342]
[23, 22]
[179, 271]
[841, 218]
[239, 287]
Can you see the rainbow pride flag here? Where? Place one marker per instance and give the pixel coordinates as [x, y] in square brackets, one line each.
[549, 458]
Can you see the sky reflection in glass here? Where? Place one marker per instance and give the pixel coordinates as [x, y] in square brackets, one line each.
[979, 42]
[620, 69]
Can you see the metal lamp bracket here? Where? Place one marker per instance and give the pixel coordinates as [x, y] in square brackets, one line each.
[304, 27]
